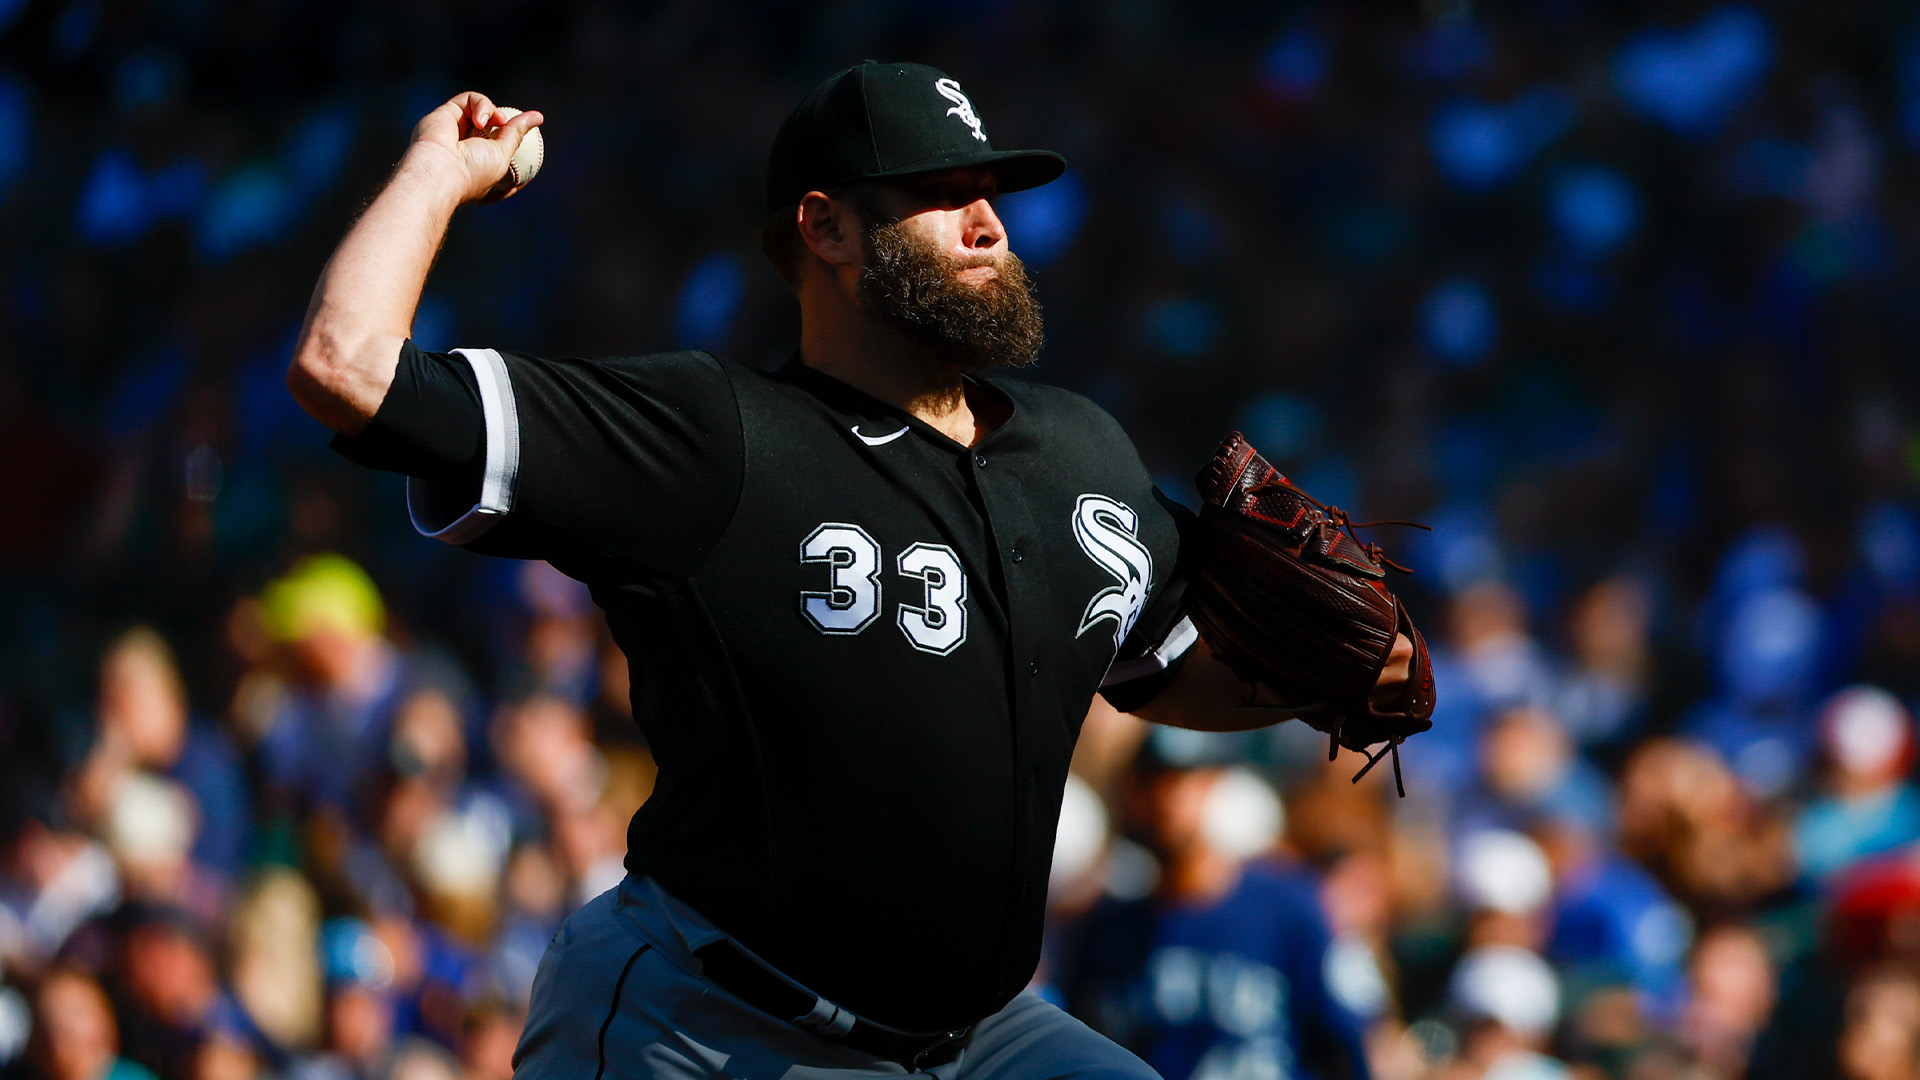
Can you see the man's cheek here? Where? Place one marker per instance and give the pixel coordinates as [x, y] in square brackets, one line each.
[924, 230]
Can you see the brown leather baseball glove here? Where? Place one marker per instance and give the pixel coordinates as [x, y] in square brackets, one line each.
[1285, 593]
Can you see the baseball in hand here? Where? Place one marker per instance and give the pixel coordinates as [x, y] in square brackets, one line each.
[526, 160]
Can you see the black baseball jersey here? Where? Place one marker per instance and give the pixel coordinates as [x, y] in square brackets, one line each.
[861, 652]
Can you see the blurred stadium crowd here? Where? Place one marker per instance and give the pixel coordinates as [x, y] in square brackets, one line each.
[1617, 297]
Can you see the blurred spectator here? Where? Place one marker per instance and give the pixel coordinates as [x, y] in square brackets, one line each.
[1223, 969]
[1731, 994]
[447, 837]
[1613, 924]
[562, 642]
[534, 900]
[1881, 1039]
[492, 1032]
[1505, 885]
[274, 942]
[418, 1059]
[358, 1030]
[561, 776]
[149, 827]
[1870, 805]
[1489, 663]
[1529, 768]
[1504, 666]
[225, 1056]
[359, 1037]
[1769, 669]
[174, 998]
[543, 742]
[1507, 1001]
[1604, 697]
[1843, 1001]
[431, 975]
[1686, 817]
[1873, 907]
[54, 880]
[74, 1031]
[145, 725]
[330, 734]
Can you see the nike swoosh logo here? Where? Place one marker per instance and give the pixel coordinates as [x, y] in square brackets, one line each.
[878, 440]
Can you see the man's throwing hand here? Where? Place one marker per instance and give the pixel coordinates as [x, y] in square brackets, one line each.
[481, 138]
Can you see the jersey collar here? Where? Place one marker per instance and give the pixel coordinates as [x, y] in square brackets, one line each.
[856, 404]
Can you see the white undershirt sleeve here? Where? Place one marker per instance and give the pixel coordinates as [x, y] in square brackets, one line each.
[1171, 648]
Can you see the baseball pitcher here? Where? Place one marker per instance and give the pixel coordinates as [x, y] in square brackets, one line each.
[867, 599]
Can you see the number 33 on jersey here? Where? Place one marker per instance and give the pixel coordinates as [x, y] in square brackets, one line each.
[1105, 528]
[851, 602]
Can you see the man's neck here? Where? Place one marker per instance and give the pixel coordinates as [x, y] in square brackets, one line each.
[879, 362]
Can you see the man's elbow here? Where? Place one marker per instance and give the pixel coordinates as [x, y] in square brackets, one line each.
[323, 379]
[308, 387]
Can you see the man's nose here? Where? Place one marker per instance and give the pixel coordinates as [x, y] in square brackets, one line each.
[983, 229]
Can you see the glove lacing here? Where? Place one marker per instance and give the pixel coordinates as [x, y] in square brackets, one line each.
[1341, 520]
[1392, 747]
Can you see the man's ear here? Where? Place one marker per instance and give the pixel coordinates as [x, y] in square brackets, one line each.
[830, 229]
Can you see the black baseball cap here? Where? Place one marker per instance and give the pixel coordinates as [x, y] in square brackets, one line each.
[877, 120]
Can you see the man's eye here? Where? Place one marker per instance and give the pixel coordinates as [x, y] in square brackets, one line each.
[949, 197]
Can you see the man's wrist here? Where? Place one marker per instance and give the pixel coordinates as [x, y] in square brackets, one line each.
[435, 171]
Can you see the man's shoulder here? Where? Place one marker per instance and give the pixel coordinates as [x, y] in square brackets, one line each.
[1043, 395]
[685, 378]
[1054, 404]
[692, 361]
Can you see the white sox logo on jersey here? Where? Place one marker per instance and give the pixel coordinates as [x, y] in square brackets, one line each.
[962, 108]
[1108, 531]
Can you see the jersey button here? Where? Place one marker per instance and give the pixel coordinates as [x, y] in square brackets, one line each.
[1033, 669]
[980, 460]
[1017, 556]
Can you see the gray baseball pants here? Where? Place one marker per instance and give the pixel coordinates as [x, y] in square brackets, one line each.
[619, 996]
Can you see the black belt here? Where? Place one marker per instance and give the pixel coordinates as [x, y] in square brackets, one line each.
[755, 982]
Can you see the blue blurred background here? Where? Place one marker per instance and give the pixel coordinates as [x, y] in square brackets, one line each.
[1620, 298]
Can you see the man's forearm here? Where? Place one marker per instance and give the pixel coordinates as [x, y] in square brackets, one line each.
[362, 308]
[1206, 694]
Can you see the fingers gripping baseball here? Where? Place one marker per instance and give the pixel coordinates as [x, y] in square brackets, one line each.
[483, 138]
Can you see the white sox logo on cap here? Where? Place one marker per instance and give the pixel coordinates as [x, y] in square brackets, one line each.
[962, 108]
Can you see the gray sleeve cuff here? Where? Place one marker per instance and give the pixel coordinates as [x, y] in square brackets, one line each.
[428, 508]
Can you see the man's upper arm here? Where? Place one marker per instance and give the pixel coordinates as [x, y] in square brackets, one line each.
[430, 422]
[633, 458]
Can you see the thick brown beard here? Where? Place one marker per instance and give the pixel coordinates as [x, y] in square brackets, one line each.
[912, 286]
